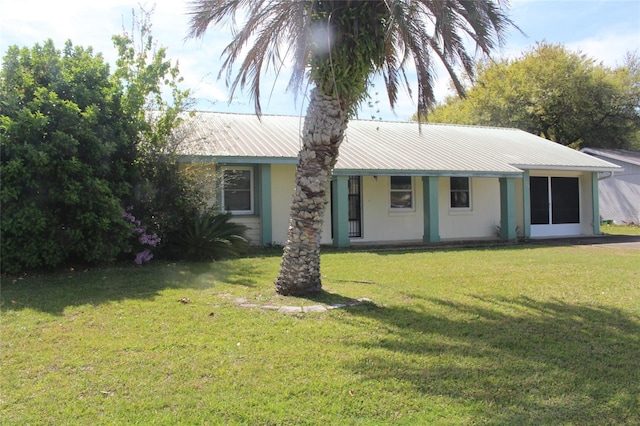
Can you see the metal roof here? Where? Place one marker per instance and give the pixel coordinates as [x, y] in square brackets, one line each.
[242, 135]
[631, 157]
[384, 147]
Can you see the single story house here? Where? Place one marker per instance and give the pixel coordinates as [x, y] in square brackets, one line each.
[398, 182]
[619, 192]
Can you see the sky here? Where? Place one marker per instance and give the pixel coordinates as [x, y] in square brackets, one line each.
[604, 30]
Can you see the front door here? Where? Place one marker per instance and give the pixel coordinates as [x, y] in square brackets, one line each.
[355, 206]
[555, 206]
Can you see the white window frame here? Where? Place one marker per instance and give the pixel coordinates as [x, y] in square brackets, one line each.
[411, 191]
[469, 195]
[251, 190]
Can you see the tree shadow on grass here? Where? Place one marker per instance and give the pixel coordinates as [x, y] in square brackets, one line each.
[444, 247]
[513, 361]
[52, 293]
[327, 298]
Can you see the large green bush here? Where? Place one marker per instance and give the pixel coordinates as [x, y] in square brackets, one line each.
[166, 201]
[67, 152]
[163, 198]
[84, 149]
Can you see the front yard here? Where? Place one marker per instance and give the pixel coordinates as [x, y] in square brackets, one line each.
[620, 229]
[515, 335]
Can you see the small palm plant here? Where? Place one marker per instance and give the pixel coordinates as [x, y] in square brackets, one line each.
[211, 236]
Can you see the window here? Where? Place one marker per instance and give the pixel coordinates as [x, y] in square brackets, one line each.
[460, 193]
[401, 192]
[237, 190]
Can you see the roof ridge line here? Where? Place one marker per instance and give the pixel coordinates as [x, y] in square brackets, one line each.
[362, 120]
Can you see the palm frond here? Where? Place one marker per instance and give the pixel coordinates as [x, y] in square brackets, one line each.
[385, 36]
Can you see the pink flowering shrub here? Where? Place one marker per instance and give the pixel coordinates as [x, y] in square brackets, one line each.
[143, 240]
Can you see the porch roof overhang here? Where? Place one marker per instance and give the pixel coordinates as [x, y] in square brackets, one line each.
[570, 168]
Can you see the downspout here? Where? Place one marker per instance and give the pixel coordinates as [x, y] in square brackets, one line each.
[605, 177]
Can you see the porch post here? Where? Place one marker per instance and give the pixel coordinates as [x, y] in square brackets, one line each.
[508, 209]
[340, 209]
[526, 197]
[266, 222]
[595, 202]
[431, 221]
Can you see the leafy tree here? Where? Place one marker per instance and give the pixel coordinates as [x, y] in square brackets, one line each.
[164, 198]
[339, 45]
[67, 149]
[563, 96]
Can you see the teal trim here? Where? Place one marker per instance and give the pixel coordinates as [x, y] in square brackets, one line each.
[219, 189]
[434, 173]
[526, 198]
[595, 201]
[431, 222]
[340, 210]
[266, 220]
[255, 181]
[508, 209]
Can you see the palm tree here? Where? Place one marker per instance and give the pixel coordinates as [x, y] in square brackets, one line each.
[338, 46]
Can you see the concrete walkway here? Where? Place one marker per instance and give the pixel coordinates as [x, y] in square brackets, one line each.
[243, 303]
[606, 241]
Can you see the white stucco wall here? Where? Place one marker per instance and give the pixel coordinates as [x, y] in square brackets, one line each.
[480, 221]
[586, 204]
[381, 223]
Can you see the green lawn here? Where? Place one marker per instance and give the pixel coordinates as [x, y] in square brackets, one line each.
[620, 229]
[515, 335]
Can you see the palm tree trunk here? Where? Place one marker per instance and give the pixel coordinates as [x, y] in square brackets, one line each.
[322, 134]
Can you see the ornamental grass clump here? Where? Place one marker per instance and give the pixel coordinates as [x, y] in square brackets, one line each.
[142, 241]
